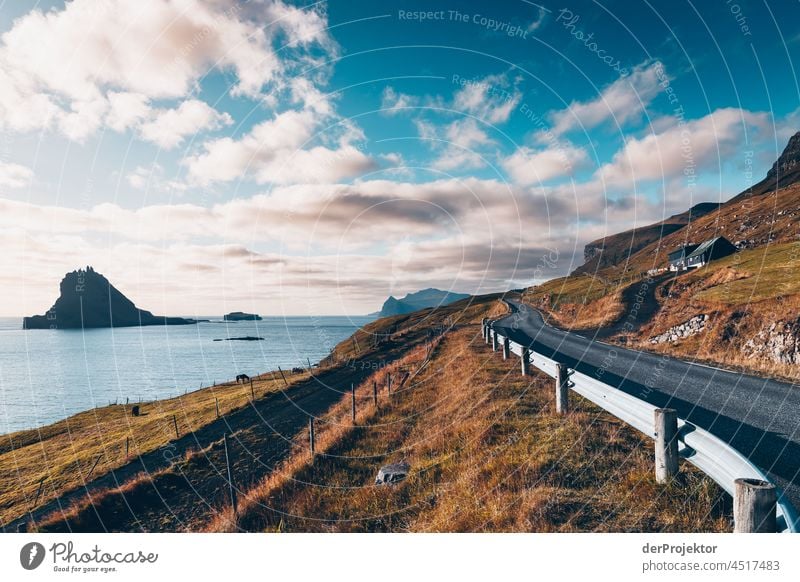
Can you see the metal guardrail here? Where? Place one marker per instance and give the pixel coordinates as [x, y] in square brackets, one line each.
[713, 456]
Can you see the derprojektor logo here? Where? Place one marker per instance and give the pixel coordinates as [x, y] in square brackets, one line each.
[31, 555]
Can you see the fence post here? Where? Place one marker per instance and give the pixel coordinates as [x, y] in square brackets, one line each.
[216, 405]
[252, 390]
[282, 376]
[506, 348]
[562, 389]
[375, 393]
[231, 488]
[525, 359]
[666, 429]
[311, 435]
[754, 506]
[175, 422]
[353, 401]
[495, 340]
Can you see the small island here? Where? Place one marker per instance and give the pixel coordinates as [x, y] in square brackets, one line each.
[241, 316]
[89, 300]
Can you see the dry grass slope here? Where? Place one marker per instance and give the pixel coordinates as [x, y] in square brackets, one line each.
[487, 453]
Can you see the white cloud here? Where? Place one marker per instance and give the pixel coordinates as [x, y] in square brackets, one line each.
[528, 166]
[277, 151]
[14, 175]
[458, 144]
[126, 110]
[393, 102]
[683, 148]
[168, 128]
[492, 98]
[105, 60]
[622, 101]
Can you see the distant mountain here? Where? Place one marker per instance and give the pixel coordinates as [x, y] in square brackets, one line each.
[419, 300]
[241, 316]
[89, 300]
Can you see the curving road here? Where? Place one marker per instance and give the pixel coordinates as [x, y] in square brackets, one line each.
[757, 416]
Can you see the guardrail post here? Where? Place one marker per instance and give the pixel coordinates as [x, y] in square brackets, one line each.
[526, 359]
[488, 334]
[666, 430]
[506, 348]
[495, 340]
[483, 327]
[754, 506]
[562, 389]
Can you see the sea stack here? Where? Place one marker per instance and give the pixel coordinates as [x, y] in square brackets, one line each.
[89, 300]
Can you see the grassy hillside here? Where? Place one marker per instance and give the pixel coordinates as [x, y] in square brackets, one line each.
[487, 453]
[62, 456]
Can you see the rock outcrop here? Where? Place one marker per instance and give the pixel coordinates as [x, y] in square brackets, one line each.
[89, 300]
[241, 316]
[778, 342]
[686, 329]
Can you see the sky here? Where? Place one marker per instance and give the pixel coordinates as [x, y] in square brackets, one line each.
[314, 158]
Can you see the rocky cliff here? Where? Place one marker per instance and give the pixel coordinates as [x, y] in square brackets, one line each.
[419, 300]
[89, 300]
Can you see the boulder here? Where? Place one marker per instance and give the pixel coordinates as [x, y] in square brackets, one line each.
[393, 473]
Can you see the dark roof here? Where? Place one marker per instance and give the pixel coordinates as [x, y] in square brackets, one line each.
[681, 252]
[707, 246]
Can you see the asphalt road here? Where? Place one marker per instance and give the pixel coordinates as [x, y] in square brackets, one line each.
[757, 416]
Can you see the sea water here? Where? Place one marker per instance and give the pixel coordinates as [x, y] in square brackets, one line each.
[47, 375]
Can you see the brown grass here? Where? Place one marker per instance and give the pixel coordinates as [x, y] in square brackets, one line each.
[63, 453]
[488, 453]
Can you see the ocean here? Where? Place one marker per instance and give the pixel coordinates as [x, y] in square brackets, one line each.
[47, 375]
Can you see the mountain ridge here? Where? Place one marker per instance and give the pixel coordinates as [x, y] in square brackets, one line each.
[417, 300]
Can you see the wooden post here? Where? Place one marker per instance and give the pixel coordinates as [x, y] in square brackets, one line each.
[216, 405]
[666, 430]
[232, 489]
[311, 436]
[252, 390]
[282, 376]
[495, 340]
[97, 460]
[375, 393]
[353, 401]
[562, 389]
[754, 506]
[39, 492]
[127, 446]
[506, 348]
[175, 422]
[310, 368]
[526, 361]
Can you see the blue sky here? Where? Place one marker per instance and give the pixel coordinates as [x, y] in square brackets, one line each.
[315, 158]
